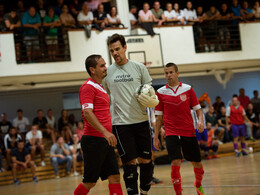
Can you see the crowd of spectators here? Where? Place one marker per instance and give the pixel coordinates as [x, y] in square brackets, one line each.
[20, 141]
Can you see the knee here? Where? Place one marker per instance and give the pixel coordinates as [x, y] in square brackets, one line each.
[144, 161]
[131, 162]
[42, 147]
[74, 156]
[196, 164]
[69, 158]
[54, 160]
[114, 179]
[33, 148]
[14, 165]
[176, 162]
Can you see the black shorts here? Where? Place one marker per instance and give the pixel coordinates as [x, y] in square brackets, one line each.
[133, 141]
[180, 146]
[99, 159]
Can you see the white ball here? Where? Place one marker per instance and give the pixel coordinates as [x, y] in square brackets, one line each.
[250, 150]
[144, 89]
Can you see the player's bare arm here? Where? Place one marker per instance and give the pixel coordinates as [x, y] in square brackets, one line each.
[156, 141]
[94, 122]
[200, 125]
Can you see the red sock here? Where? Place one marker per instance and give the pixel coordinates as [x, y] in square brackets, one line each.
[176, 179]
[198, 175]
[81, 190]
[115, 189]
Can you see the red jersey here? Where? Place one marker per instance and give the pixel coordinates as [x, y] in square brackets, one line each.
[93, 95]
[174, 105]
[236, 115]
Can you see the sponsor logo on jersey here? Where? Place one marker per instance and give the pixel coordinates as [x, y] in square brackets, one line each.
[183, 97]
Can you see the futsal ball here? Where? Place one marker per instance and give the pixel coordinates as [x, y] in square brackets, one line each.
[143, 89]
[250, 149]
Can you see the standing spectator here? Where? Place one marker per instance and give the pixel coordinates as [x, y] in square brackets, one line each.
[256, 101]
[2, 13]
[100, 18]
[146, 19]
[75, 149]
[85, 19]
[133, 20]
[246, 13]
[21, 159]
[21, 123]
[52, 22]
[200, 39]
[179, 14]
[80, 129]
[20, 8]
[254, 118]
[158, 16]
[11, 20]
[237, 117]
[31, 22]
[60, 154]
[243, 99]
[113, 18]
[57, 8]
[256, 10]
[236, 9]
[190, 13]
[75, 8]
[34, 143]
[200, 13]
[221, 117]
[93, 4]
[5, 126]
[41, 8]
[72, 123]
[169, 13]
[10, 141]
[63, 126]
[66, 18]
[218, 104]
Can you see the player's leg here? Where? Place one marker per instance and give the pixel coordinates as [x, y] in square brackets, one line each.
[126, 147]
[235, 134]
[173, 145]
[242, 133]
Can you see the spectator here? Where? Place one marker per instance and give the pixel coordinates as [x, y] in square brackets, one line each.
[41, 9]
[190, 13]
[256, 101]
[66, 18]
[146, 19]
[2, 13]
[246, 13]
[52, 22]
[256, 10]
[218, 104]
[113, 18]
[20, 8]
[254, 118]
[85, 19]
[212, 143]
[31, 22]
[5, 126]
[158, 16]
[63, 126]
[236, 9]
[50, 119]
[243, 99]
[10, 141]
[21, 160]
[93, 4]
[57, 8]
[100, 18]
[200, 13]
[133, 20]
[21, 123]
[80, 129]
[179, 15]
[221, 118]
[34, 143]
[60, 154]
[75, 149]
[199, 28]
[11, 20]
[72, 122]
[169, 13]
[75, 8]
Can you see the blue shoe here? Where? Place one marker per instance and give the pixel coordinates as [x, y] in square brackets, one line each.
[16, 182]
[244, 152]
[237, 154]
[35, 180]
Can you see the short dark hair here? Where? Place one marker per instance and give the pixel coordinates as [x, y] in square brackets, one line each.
[20, 141]
[91, 61]
[116, 37]
[255, 91]
[172, 65]
[39, 110]
[19, 110]
[235, 95]
[218, 97]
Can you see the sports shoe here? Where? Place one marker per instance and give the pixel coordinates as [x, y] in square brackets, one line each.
[208, 157]
[156, 181]
[16, 182]
[43, 164]
[215, 156]
[75, 173]
[35, 180]
[57, 177]
[244, 152]
[237, 154]
[199, 190]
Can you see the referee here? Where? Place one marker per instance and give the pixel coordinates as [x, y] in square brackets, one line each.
[98, 141]
[129, 117]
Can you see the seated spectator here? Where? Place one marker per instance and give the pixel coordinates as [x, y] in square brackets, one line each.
[256, 101]
[179, 15]
[75, 149]
[72, 123]
[58, 7]
[31, 22]
[42, 122]
[75, 8]
[11, 20]
[41, 8]
[10, 142]
[221, 118]
[113, 18]
[243, 99]
[21, 160]
[51, 122]
[158, 16]
[218, 104]
[146, 19]
[80, 129]
[246, 13]
[133, 20]
[212, 142]
[63, 126]
[100, 18]
[85, 19]
[5, 126]
[66, 18]
[52, 22]
[256, 10]
[60, 154]
[169, 13]
[34, 143]
[21, 123]
[253, 118]
[190, 13]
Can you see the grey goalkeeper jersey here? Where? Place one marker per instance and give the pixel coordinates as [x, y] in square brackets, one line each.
[121, 83]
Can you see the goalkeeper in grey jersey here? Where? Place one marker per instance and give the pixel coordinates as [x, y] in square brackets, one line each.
[129, 117]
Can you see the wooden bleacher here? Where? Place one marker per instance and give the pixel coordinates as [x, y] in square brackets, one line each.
[47, 172]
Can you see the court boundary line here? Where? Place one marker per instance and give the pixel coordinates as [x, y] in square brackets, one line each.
[210, 186]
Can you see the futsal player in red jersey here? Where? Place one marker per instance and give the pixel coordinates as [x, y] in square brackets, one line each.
[98, 141]
[175, 101]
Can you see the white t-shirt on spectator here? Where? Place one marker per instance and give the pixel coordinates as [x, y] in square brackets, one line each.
[145, 15]
[132, 17]
[51, 122]
[83, 17]
[190, 14]
[112, 19]
[169, 15]
[21, 124]
[179, 15]
[29, 135]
